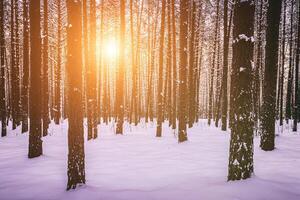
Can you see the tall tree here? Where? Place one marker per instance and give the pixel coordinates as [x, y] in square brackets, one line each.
[15, 71]
[45, 96]
[192, 68]
[57, 81]
[121, 72]
[241, 142]
[35, 100]
[92, 75]
[174, 62]
[281, 82]
[212, 69]
[182, 115]
[76, 160]
[25, 78]
[288, 110]
[2, 72]
[270, 76]
[160, 73]
[225, 67]
[296, 103]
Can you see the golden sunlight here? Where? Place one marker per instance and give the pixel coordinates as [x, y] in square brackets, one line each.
[111, 48]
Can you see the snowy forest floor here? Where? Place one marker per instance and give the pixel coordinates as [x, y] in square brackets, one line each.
[140, 166]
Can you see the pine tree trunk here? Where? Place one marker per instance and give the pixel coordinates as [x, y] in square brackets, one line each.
[91, 75]
[121, 72]
[241, 142]
[45, 96]
[212, 69]
[191, 83]
[296, 103]
[174, 62]
[15, 73]
[76, 160]
[57, 98]
[258, 66]
[282, 65]
[35, 100]
[268, 113]
[182, 115]
[224, 98]
[25, 78]
[288, 110]
[2, 72]
[160, 73]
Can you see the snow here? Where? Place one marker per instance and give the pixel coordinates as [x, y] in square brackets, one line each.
[140, 166]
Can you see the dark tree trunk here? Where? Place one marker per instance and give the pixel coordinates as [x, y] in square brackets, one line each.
[212, 70]
[182, 115]
[15, 71]
[296, 103]
[224, 99]
[258, 66]
[282, 66]
[35, 100]
[25, 78]
[268, 113]
[241, 143]
[2, 72]
[288, 110]
[76, 160]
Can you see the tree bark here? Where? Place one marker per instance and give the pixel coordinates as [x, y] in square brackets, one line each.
[76, 160]
[268, 113]
[241, 142]
[35, 100]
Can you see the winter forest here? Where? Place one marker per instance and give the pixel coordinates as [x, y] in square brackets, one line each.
[149, 99]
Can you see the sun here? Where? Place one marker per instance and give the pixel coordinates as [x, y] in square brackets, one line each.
[111, 48]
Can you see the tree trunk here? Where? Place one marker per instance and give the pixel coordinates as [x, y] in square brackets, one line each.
[268, 113]
[224, 94]
[288, 110]
[174, 74]
[212, 70]
[296, 103]
[45, 95]
[241, 143]
[57, 100]
[35, 100]
[282, 65]
[76, 160]
[92, 75]
[121, 72]
[182, 115]
[160, 73]
[2, 72]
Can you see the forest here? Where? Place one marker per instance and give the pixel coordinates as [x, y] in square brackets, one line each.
[149, 99]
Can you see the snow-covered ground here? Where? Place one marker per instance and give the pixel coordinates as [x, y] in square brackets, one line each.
[140, 166]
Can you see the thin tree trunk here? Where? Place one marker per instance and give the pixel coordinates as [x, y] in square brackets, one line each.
[270, 76]
[160, 73]
[121, 72]
[2, 72]
[45, 96]
[182, 115]
[296, 103]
